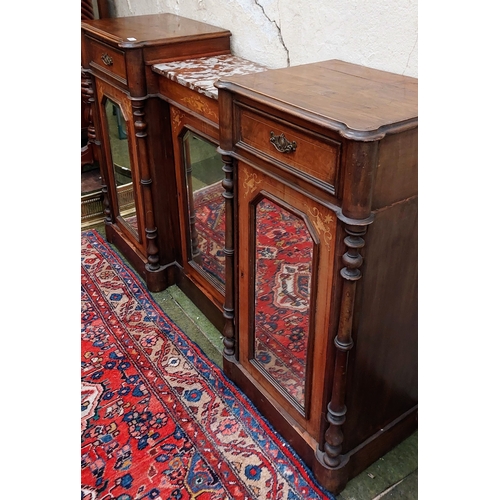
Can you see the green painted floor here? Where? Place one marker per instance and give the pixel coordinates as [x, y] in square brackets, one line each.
[392, 477]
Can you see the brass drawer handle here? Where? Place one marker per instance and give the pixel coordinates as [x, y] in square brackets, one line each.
[282, 144]
[107, 60]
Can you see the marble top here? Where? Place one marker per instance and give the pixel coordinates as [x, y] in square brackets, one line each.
[201, 73]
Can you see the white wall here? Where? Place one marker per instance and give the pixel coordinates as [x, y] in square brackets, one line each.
[380, 34]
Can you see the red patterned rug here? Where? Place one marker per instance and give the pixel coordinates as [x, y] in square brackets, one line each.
[159, 420]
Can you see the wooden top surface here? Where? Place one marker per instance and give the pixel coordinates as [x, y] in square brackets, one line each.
[359, 102]
[140, 31]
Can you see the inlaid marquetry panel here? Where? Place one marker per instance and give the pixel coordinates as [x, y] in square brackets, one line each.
[261, 134]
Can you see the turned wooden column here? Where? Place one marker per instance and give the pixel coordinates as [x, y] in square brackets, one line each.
[87, 118]
[119, 54]
[336, 411]
[350, 137]
[138, 98]
[361, 163]
[93, 142]
[225, 131]
[150, 229]
[228, 308]
[87, 153]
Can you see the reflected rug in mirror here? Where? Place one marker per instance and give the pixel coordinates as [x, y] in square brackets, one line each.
[283, 260]
[159, 420]
[210, 214]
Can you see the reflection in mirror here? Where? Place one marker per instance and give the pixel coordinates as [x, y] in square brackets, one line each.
[117, 133]
[283, 273]
[91, 178]
[206, 205]
[92, 209]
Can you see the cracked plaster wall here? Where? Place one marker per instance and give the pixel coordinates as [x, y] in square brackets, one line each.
[380, 34]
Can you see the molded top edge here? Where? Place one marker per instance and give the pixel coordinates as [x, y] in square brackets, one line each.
[150, 30]
[358, 102]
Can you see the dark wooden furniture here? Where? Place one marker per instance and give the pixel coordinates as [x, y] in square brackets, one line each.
[121, 89]
[195, 173]
[193, 118]
[92, 210]
[87, 14]
[325, 154]
[314, 168]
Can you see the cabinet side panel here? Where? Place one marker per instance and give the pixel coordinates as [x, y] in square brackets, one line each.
[396, 177]
[382, 372]
[164, 182]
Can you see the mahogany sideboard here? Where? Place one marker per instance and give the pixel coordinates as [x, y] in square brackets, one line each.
[310, 172]
[191, 128]
[126, 125]
[321, 257]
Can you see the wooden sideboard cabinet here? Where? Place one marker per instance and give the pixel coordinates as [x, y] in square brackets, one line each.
[196, 169]
[321, 257]
[124, 128]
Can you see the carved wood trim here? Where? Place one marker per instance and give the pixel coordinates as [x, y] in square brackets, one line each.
[336, 410]
[361, 163]
[228, 307]
[94, 145]
[150, 229]
[88, 103]
[87, 10]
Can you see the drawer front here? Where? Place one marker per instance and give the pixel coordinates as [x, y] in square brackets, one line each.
[109, 59]
[310, 153]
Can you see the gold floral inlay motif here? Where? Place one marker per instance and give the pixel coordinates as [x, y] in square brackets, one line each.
[321, 223]
[177, 117]
[198, 105]
[251, 181]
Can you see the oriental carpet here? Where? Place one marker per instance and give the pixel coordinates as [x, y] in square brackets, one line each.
[159, 420]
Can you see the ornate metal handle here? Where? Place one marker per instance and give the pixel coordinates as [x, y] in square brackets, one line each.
[107, 60]
[282, 144]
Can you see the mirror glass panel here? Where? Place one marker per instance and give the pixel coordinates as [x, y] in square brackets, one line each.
[91, 176]
[283, 272]
[206, 207]
[92, 209]
[120, 156]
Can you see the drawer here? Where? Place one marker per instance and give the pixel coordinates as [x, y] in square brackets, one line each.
[107, 58]
[308, 152]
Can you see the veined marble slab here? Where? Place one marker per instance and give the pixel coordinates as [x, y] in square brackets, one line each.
[200, 74]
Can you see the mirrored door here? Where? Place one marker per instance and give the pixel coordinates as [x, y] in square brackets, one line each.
[123, 177]
[283, 268]
[285, 272]
[206, 207]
